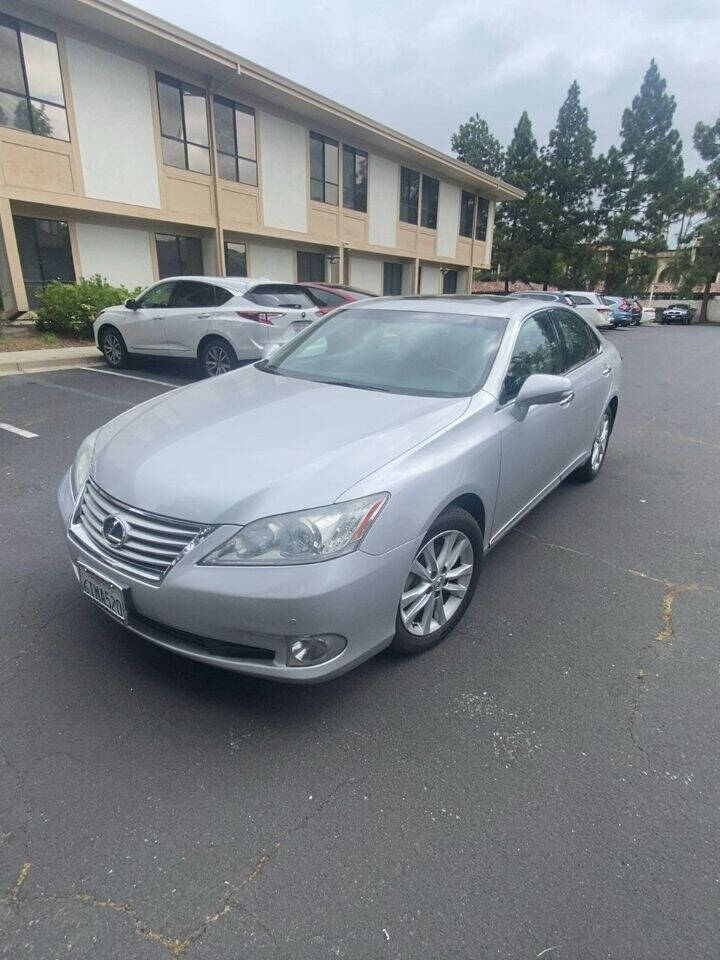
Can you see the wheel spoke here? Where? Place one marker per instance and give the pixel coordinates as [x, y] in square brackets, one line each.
[440, 611]
[459, 589]
[447, 546]
[413, 593]
[454, 555]
[464, 570]
[411, 613]
[426, 621]
[420, 571]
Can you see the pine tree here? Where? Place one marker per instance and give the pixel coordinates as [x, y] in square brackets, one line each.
[474, 144]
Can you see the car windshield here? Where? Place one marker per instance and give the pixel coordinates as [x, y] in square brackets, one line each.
[398, 351]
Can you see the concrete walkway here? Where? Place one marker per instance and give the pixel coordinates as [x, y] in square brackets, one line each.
[21, 361]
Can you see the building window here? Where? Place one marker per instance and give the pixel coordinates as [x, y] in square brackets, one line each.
[409, 195]
[31, 88]
[178, 256]
[183, 125]
[310, 267]
[323, 169]
[355, 178]
[450, 281]
[483, 206]
[235, 141]
[467, 212]
[392, 279]
[429, 208]
[45, 254]
[235, 259]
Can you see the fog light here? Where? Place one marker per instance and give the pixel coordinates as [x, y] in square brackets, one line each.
[310, 651]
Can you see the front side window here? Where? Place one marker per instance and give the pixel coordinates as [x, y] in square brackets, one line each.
[235, 259]
[323, 169]
[31, 88]
[467, 213]
[537, 350]
[310, 266]
[183, 125]
[579, 341]
[429, 209]
[399, 351]
[235, 141]
[45, 253]
[158, 297]
[483, 207]
[178, 256]
[355, 179]
[409, 195]
[392, 279]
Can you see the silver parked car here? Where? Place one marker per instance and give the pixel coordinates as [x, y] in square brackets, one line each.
[216, 320]
[293, 518]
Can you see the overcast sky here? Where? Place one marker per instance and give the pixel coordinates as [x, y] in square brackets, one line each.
[424, 67]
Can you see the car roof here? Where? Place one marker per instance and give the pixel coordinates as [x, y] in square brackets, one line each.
[482, 305]
[235, 284]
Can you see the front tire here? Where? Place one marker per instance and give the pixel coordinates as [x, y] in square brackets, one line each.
[217, 357]
[113, 347]
[592, 466]
[440, 583]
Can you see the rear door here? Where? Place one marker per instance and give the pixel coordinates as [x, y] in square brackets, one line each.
[188, 316]
[585, 365]
[144, 329]
[588, 310]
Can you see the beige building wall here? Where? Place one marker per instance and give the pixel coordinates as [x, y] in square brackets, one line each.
[7, 295]
[283, 172]
[120, 254]
[383, 201]
[366, 273]
[273, 262]
[430, 279]
[448, 220]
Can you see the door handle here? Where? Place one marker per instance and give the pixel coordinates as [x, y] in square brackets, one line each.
[567, 400]
[203, 316]
[607, 371]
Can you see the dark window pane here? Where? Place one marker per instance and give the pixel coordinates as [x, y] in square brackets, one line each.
[317, 190]
[324, 297]
[450, 281]
[235, 259]
[14, 111]
[42, 65]
[576, 337]
[310, 266]
[227, 167]
[409, 191]
[190, 255]
[247, 171]
[11, 77]
[189, 294]
[195, 107]
[349, 178]
[392, 279]
[222, 296]
[159, 296]
[430, 189]
[467, 212]
[173, 152]
[361, 177]
[27, 248]
[168, 255]
[224, 127]
[482, 218]
[316, 159]
[198, 158]
[536, 351]
[49, 121]
[245, 131]
[170, 110]
[53, 241]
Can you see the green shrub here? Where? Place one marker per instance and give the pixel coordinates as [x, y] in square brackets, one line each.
[72, 307]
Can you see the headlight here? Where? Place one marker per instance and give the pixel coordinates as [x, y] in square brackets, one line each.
[83, 461]
[307, 536]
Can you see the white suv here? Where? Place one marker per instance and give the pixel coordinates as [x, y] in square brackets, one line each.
[219, 321]
[591, 306]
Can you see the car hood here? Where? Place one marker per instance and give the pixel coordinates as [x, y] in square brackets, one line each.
[249, 444]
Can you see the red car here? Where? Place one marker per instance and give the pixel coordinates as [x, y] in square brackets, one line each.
[327, 296]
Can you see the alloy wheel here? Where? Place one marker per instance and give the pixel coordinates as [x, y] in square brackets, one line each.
[438, 580]
[600, 443]
[112, 349]
[217, 361]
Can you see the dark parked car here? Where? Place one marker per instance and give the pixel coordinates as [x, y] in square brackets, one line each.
[327, 296]
[678, 313]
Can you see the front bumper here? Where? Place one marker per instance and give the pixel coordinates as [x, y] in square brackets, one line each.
[245, 618]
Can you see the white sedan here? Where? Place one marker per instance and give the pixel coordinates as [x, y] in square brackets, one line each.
[219, 321]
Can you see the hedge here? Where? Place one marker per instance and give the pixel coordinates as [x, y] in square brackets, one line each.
[73, 307]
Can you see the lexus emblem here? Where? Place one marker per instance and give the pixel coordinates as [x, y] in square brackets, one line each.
[115, 531]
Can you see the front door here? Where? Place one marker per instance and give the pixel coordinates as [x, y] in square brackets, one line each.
[188, 316]
[143, 328]
[534, 448]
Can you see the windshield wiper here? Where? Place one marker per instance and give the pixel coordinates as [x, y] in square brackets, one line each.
[358, 386]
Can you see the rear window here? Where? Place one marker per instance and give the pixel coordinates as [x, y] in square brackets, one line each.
[581, 301]
[280, 295]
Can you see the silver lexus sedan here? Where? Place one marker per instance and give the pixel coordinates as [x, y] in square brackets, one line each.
[293, 518]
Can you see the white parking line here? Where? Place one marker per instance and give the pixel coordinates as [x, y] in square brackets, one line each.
[130, 376]
[18, 430]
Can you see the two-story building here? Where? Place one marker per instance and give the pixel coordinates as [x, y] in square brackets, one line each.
[135, 150]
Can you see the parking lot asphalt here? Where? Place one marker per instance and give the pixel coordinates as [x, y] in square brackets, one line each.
[544, 783]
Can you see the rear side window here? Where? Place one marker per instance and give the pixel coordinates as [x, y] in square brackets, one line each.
[280, 295]
[581, 301]
[537, 350]
[189, 294]
[222, 296]
[579, 341]
[325, 298]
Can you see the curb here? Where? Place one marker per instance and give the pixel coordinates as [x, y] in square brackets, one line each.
[25, 361]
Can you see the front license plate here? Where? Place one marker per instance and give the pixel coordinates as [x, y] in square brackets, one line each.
[108, 595]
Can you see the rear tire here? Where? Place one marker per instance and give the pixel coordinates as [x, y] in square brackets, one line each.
[113, 347]
[445, 570]
[587, 471]
[217, 357]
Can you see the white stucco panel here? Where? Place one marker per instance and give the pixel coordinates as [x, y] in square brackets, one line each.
[275, 263]
[283, 172]
[383, 200]
[120, 254]
[366, 273]
[448, 221]
[430, 279]
[115, 125]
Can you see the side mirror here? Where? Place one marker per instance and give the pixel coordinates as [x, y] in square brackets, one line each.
[269, 349]
[542, 388]
[131, 304]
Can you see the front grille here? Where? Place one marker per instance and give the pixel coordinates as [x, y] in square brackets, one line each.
[153, 543]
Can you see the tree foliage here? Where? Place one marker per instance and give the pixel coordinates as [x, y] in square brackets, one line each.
[474, 144]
